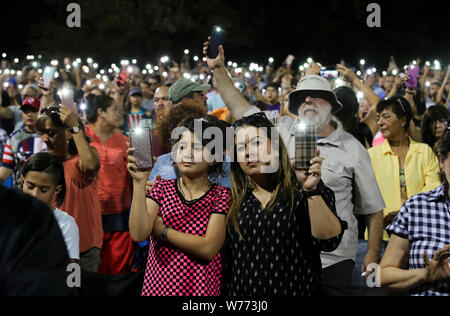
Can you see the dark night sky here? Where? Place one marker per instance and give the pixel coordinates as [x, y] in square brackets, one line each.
[328, 30]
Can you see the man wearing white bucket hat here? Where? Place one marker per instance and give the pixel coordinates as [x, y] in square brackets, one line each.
[347, 169]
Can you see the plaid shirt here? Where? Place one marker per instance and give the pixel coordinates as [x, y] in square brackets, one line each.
[425, 221]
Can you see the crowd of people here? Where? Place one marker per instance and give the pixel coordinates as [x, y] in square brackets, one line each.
[222, 221]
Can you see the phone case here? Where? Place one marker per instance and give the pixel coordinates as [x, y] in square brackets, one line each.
[305, 146]
[413, 77]
[49, 74]
[67, 100]
[141, 141]
[217, 37]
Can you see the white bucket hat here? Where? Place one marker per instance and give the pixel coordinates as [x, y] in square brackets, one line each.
[313, 86]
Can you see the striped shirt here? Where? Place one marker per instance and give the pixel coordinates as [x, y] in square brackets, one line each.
[20, 146]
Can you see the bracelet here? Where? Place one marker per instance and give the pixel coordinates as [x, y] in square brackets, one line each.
[310, 194]
[164, 234]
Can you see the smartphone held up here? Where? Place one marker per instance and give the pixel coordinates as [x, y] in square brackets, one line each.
[217, 38]
[141, 141]
[305, 145]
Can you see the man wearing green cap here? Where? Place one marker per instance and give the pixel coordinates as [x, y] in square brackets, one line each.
[187, 89]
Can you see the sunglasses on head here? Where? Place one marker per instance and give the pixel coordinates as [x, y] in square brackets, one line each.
[256, 119]
[47, 132]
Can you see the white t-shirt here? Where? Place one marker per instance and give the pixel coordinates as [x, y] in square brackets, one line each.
[69, 229]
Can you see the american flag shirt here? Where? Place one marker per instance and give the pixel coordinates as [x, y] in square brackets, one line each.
[20, 146]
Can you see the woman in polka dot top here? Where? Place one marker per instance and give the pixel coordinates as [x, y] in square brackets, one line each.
[186, 219]
[279, 220]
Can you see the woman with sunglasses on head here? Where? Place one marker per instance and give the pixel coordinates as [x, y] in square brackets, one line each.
[433, 125]
[402, 167]
[279, 220]
[420, 236]
[63, 133]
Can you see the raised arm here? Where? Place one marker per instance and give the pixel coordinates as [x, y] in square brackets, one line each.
[143, 210]
[369, 94]
[232, 97]
[89, 161]
[440, 95]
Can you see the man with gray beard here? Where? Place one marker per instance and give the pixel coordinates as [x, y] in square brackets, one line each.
[347, 168]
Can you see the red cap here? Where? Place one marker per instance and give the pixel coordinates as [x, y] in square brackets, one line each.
[33, 102]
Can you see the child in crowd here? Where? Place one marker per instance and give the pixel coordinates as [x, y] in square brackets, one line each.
[43, 178]
[184, 217]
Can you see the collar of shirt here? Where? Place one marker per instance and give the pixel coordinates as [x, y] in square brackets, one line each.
[413, 147]
[437, 194]
[333, 139]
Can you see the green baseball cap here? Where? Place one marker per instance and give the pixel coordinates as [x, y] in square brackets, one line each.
[183, 87]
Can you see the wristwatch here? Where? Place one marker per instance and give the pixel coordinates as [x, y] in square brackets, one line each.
[164, 234]
[75, 130]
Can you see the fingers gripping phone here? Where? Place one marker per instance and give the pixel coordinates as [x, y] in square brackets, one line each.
[217, 38]
[305, 145]
[141, 141]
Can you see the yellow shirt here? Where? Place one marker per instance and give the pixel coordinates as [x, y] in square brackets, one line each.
[422, 173]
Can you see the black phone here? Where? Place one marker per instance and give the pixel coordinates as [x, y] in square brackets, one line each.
[141, 141]
[305, 145]
[217, 38]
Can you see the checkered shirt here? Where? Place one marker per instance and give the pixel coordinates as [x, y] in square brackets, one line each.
[170, 271]
[425, 221]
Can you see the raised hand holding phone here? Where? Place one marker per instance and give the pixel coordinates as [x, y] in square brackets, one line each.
[216, 62]
[216, 39]
[141, 142]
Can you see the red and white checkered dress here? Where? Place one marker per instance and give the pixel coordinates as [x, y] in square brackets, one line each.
[170, 271]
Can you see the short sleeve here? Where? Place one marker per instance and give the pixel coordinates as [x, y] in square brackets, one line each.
[156, 194]
[72, 239]
[368, 198]
[222, 201]
[8, 156]
[400, 225]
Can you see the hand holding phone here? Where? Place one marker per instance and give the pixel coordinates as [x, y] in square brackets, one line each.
[141, 141]
[305, 145]
[413, 72]
[217, 38]
[67, 100]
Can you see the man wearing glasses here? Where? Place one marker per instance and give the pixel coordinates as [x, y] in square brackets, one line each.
[23, 142]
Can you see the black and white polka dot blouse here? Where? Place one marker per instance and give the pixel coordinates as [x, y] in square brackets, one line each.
[278, 256]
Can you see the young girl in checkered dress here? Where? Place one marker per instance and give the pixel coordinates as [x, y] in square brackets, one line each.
[184, 218]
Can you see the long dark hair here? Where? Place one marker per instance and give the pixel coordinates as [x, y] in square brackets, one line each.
[284, 189]
[432, 115]
[97, 102]
[216, 169]
[51, 164]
